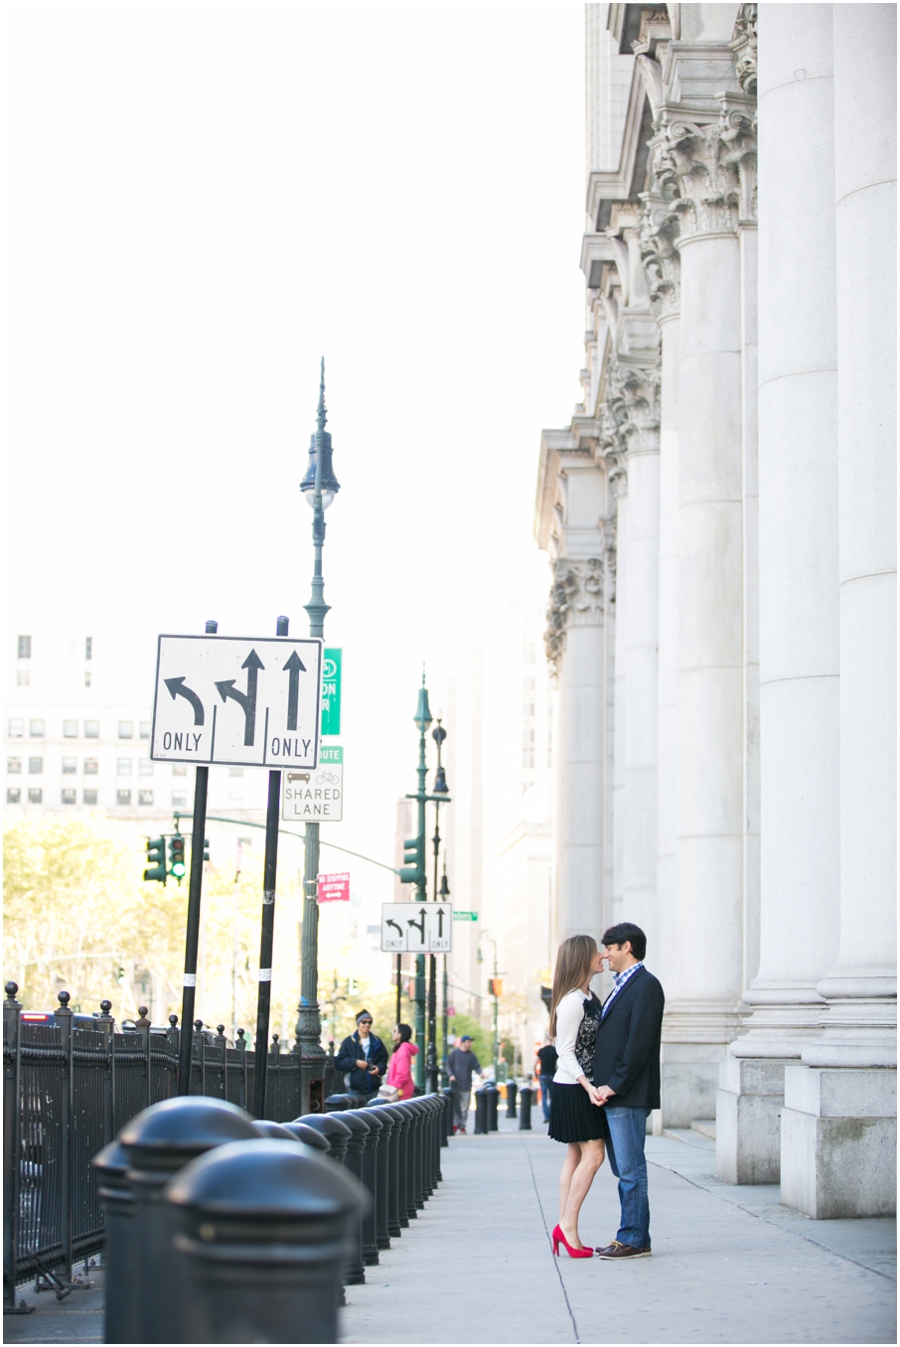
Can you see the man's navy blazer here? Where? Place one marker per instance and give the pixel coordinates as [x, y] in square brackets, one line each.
[626, 1054]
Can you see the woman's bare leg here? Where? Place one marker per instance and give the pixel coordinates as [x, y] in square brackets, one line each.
[570, 1164]
[593, 1154]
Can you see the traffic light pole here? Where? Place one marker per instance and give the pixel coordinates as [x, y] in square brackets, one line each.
[192, 939]
[423, 720]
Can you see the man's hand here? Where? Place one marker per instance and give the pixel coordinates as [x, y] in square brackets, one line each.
[453, 1078]
[362, 1063]
[604, 1093]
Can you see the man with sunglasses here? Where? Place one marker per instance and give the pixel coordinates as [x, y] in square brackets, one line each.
[363, 1058]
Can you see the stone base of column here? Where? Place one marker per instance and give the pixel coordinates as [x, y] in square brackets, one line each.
[695, 1040]
[748, 1119]
[839, 1141]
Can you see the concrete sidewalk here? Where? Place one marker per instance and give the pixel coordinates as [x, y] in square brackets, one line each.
[729, 1264]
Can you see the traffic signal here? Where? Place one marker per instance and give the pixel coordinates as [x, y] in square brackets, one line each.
[413, 871]
[206, 848]
[352, 987]
[156, 860]
[176, 858]
[496, 986]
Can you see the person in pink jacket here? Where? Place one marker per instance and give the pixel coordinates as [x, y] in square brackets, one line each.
[400, 1068]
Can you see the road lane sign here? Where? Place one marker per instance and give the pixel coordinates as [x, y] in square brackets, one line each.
[416, 928]
[318, 794]
[465, 916]
[333, 888]
[237, 701]
[331, 691]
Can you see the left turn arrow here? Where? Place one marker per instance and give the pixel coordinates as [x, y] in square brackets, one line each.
[177, 689]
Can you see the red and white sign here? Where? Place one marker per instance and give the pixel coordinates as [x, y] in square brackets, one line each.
[333, 888]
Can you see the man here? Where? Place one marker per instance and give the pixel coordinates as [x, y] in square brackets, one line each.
[547, 1058]
[461, 1064]
[363, 1058]
[626, 1070]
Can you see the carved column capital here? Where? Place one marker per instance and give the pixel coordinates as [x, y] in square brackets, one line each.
[708, 169]
[629, 419]
[743, 44]
[576, 600]
[659, 230]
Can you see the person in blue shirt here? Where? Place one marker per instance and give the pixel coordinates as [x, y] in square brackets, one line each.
[362, 1058]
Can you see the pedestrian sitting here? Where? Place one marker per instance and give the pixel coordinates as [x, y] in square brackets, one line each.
[461, 1064]
[363, 1058]
[399, 1083]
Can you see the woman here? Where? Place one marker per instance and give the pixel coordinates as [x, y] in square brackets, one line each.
[575, 1117]
[400, 1070]
[363, 1058]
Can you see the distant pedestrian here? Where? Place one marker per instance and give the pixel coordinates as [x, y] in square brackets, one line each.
[626, 1071]
[574, 1016]
[547, 1058]
[400, 1069]
[363, 1058]
[461, 1064]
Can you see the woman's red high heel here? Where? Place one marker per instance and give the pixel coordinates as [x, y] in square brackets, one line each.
[559, 1238]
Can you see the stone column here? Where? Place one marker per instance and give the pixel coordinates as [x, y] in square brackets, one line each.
[798, 590]
[838, 1153]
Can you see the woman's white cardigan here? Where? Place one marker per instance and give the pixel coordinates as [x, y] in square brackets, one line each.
[569, 1014]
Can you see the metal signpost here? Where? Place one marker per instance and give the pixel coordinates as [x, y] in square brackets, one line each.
[316, 794]
[412, 929]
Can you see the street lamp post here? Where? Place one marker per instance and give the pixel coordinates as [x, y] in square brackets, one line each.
[443, 893]
[441, 792]
[489, 935]
[319, 486]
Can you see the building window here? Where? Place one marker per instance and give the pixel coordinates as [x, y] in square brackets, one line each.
[35, 795]
[36, 729]
[179, 769]
[70, 729]
[145, 797]
[14, 766]
[179, 800]
[23, 678]
[24, 647]
[15, 729]
[70, 766]
[87, 678]
[13, 795]
[89, 647]
[92, 729]
[144, 729]
[145, 767]
[123, 797]
[91, 766]
[35, 766]
[126, 729]
[89, 796]
[68, 796]
[235, 771]
[123, 767]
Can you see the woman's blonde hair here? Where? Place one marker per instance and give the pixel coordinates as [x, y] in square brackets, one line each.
[574, 963]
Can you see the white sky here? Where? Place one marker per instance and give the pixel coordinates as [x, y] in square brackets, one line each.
[200, 200]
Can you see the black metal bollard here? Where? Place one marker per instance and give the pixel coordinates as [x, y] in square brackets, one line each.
[264, 1230]
[272, 1131]
[424, 1185]
[481, 1111]
[118, 1217]
[526, 1099]
[427, 1162]
[358, 1130]
[407, 1161]
[493, 1098]
[437, 1132]
[310, 1136]
[158, 1143]
[447, 1096]
[383, 1166]
[392, 1197]
[335, 1130]
[369, 1176]
[510, 1099]
[417, 1202]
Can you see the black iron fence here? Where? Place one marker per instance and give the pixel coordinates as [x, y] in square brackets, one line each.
[70, 1083]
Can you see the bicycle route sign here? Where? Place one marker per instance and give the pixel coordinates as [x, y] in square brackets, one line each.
[237, 701]
[416, 928]
[315, 795]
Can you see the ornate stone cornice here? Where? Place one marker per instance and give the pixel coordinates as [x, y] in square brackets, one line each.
[576, 600]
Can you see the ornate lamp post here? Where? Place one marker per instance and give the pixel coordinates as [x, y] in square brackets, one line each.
[440, 794]
[489, 935]
[319, 486]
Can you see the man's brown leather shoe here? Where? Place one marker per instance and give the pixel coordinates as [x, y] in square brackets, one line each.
[617, 1250]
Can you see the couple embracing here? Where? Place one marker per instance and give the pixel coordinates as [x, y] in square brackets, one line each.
[606, 1083]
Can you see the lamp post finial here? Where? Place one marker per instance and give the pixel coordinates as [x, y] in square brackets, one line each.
[321, 413]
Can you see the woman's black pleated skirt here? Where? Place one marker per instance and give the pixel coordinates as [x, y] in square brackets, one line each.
[573, 1117]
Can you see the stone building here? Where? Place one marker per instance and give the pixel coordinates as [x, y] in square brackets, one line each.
[720, 518]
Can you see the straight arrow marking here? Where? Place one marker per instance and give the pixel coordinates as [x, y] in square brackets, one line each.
[177, 689]
[294, 666]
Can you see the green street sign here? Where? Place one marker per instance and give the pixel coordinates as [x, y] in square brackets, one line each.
[331, 692]
[465, 916]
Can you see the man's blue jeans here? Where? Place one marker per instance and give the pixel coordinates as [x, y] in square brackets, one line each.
[627, 1133]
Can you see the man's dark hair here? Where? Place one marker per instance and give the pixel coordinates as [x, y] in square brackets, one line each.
[405, 1032]
[626, 930]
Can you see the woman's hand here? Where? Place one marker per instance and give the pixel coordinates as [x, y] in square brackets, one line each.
[592, 1092]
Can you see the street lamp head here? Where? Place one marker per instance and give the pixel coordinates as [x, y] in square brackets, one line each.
[440, 782]
[444, 890]
[439, 734]
[329, 485]
[423, 711]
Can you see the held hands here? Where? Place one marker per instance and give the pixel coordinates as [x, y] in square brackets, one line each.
[604, 1093]
[592, 1092]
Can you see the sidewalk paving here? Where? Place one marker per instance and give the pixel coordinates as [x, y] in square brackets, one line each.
[729, 1265]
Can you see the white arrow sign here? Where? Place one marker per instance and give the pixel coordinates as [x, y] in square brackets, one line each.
[237, 700]
[416, 928]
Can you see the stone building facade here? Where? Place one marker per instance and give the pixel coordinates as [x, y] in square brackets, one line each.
[720, 518]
